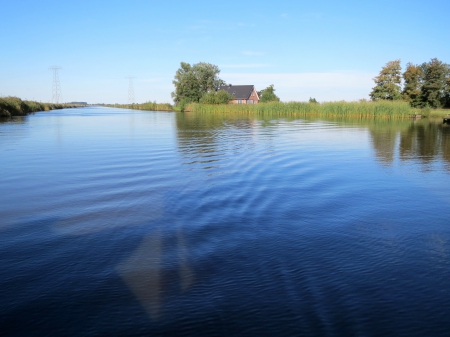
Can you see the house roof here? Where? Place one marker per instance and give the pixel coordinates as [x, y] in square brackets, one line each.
[238, 91]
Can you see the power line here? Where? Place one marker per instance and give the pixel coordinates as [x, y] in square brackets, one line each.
[56, 87]
[130, 90]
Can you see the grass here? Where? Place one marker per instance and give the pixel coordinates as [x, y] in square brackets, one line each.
[150, 106]
[14, 106]
[380, 109]
[437, 112]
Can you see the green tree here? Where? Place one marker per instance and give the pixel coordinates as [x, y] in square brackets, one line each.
[192, 82]
[313, 100]
[268, 95]
[413, 77]
[216, 97]
[435, 88]
[447, 93]
[388, 82]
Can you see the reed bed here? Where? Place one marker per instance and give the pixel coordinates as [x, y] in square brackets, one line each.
[437, 112]
[384, 109]
[14, 106]
[150, 106]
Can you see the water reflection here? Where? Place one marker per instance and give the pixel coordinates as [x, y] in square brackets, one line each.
[424, 141]
[197, 138]
[13, 120]
[205, 138]
[139, 231]
[142, 273]
[147, 272]
[186, 273]
[384, 137]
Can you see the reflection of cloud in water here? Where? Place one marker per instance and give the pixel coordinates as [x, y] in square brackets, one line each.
[438, 249]
[186, 274]
[143, 272]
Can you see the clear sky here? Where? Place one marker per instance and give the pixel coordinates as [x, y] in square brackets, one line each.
[326, 49]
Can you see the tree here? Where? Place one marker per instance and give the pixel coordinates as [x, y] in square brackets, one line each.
[412, 91]
[313, 100]
[447, 93]
[192, 82]
[268, 95]
[436, 79]
[388, 82]
[216, 97]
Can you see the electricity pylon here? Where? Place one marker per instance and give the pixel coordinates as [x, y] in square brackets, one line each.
[56, 88]
[130, 90]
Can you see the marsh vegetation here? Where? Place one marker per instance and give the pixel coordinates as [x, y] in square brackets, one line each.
[150, 106]
[363, 109]
[14, 106]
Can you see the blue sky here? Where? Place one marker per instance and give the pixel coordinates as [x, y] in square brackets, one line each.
[329, 50]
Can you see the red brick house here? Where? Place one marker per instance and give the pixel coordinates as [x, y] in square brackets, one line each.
[243, 94]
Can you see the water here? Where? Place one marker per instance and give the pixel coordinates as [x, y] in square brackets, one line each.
[120, 222]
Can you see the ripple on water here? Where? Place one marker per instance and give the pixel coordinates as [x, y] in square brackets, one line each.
[146, 223]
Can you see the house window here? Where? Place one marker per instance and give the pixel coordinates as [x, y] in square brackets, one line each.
[239, 101]
[250, 101]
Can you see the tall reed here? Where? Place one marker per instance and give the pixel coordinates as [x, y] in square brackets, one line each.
[379, 109]
[150, 106]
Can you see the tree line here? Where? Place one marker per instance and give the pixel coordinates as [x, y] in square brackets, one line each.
[421, 85]
[200, 83]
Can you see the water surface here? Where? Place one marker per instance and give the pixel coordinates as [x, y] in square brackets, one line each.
[122, 222]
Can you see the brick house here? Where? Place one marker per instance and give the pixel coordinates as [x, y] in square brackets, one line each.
[243, 94]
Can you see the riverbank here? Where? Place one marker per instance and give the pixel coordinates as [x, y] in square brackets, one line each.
[14, 106]
[150, 106]
[435, 112]
[341, 109]
[380, 109]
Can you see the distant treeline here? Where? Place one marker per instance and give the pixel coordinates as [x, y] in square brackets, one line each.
[151, 106]
[422, 85]
[14, 106]
[361, 109]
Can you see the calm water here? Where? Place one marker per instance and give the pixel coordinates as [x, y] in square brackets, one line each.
[117, 222]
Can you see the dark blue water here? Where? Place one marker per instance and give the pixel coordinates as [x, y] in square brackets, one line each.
[125, 223]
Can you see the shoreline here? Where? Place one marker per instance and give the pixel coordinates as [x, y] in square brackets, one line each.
[14, 106]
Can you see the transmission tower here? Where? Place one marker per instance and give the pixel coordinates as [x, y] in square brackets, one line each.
[130, 90]
[56, 88]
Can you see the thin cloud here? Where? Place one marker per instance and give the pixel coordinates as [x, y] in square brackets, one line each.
[195, 27]
[152, 80]
[341, 85]
[252, 53]
[245, 65]
[241, 24]
[210, 22]
[218, 25]
[193, 40]
[312, 15]
[348, 79]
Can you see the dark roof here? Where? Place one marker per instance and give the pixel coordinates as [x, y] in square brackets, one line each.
[238, 91]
